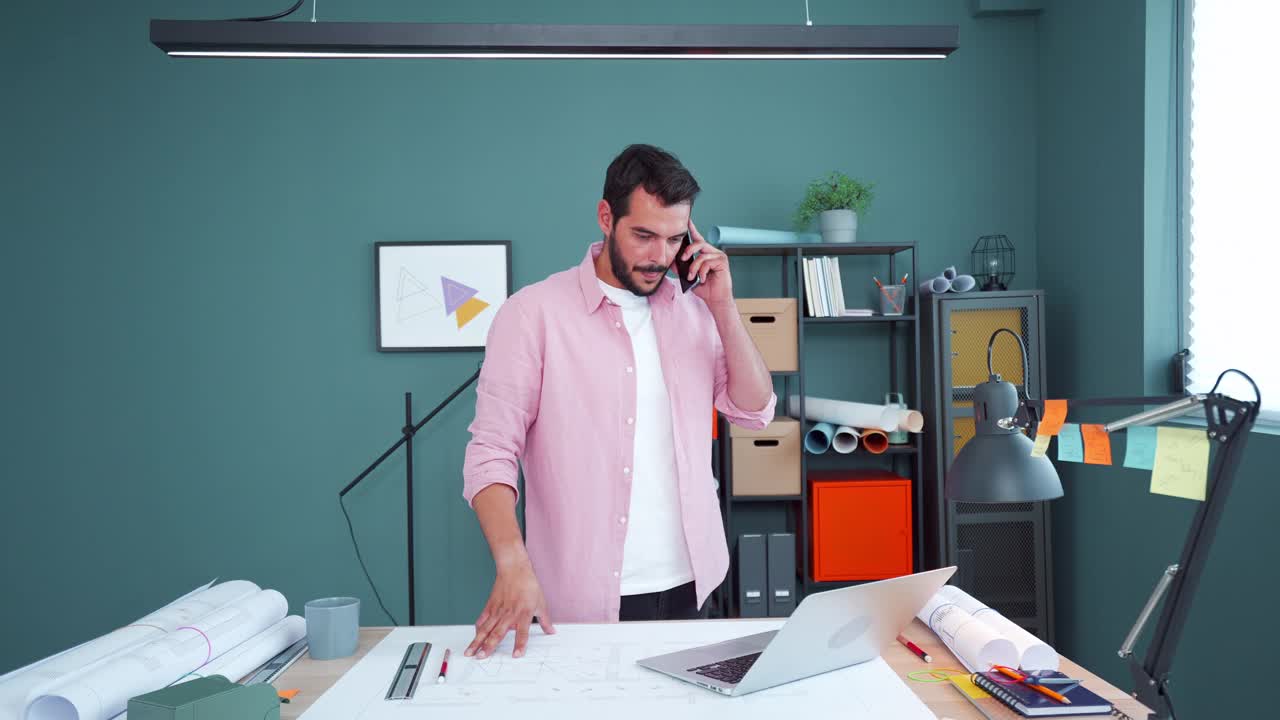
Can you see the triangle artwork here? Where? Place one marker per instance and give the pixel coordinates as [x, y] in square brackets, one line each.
[460, 301]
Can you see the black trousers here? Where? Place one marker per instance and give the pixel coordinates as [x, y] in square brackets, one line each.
[678, 603]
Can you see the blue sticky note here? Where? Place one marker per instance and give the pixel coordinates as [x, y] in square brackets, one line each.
[1070, 444]
[1140, 447]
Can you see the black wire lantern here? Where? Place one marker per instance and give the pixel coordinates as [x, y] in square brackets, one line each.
[993, 262]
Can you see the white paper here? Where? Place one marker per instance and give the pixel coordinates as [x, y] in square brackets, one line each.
[238, 662]
[845, 440]
[18, 687]
[1033, 653]
[858, 415]
[585, 672]
[976, 645]
[103, 691]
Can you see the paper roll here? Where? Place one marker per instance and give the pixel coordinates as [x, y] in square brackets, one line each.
[963, 283]
[104, 691]
[852, 414]
[950, 272]
[935, 286]
[910, 420]
[875, 441]
[845, 440]
[1033, 653]
[19, 688]
[818, 439]
[974, 644]
[724, 234]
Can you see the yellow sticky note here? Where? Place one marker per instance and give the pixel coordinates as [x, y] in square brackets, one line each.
[1182, 462]
[966, 685]
[1041, 446]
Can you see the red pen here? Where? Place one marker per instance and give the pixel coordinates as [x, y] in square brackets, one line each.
[915, 649]
[444, 667]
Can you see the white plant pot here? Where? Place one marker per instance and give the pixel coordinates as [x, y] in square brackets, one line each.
[838, 226]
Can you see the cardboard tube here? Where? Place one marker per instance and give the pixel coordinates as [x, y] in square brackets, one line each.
[911, 421]
[875, 441]
[818, 439]
[845, 440]
[853, 414]
[963, 283]
[935, 286]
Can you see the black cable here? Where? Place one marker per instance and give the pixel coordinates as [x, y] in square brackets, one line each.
[1026, 370]
[360, 557]
[277, 16]
[1257, 395]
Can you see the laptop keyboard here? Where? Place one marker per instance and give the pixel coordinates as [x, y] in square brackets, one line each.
[729, 671]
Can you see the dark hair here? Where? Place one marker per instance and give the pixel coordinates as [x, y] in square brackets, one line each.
[658, 171]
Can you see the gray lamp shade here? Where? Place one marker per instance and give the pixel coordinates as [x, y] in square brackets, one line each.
[1000, 469]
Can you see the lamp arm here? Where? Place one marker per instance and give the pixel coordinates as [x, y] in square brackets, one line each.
[1230, 421]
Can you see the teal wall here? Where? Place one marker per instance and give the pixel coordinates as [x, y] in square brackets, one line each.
[188, 365]
[1106, 264]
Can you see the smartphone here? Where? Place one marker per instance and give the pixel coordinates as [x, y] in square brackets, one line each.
[682, 266]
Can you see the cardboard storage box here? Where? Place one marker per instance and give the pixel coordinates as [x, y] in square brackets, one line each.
[861, 525]
[771, 322]
[767, 462]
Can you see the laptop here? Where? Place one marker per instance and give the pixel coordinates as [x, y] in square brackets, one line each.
[828, 631]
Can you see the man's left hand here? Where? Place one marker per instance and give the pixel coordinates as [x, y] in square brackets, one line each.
[712, 266]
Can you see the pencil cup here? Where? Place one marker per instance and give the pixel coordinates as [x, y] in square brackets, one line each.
[892, 299]
[333, 627]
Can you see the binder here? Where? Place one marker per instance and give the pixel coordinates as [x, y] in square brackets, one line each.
[782, 574]
[752, 576]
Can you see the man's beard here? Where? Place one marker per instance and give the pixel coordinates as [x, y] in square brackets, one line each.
[625, 274]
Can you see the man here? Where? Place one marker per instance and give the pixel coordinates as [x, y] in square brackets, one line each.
[599, 380]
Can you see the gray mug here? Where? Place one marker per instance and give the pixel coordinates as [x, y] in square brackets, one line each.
[333, 627]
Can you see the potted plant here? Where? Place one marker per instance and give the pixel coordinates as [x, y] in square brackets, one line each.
[836, 201]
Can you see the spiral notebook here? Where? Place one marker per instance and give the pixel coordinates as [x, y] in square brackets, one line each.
[1031, 703]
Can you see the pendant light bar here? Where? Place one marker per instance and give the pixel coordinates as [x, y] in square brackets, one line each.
[229, 38]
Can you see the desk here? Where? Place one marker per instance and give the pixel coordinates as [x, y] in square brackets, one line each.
[314, 677]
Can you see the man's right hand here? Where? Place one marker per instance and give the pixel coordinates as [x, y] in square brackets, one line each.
[515, 600]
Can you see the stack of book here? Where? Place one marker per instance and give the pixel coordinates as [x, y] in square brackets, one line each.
[823, 291]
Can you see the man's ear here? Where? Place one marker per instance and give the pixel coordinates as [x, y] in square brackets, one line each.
[604, 215]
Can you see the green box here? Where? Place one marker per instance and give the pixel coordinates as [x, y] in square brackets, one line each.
[208, 698]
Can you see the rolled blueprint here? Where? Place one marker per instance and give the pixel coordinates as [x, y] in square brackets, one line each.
[853, 414]
[935, 286]
[18, 688]
[845, 440]
[963, 283]
[859, 415]
[974, 643]
[818, 439]
[875, 441]
[724, 234]
[1033, 653]
[950, 273]
[103, 691]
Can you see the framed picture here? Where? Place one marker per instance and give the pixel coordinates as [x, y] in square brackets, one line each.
[439, 295]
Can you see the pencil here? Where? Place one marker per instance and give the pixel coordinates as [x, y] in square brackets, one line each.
[915, 649]
[1038, 688]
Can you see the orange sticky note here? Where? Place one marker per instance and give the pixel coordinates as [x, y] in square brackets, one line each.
[1055, 413]
[1097, 445]
[287, 695]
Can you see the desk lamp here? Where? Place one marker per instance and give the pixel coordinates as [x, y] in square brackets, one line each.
[996, 466]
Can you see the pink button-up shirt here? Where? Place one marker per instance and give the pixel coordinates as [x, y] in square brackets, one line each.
[556, 389]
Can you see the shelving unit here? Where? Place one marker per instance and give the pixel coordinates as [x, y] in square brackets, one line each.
[905, 460]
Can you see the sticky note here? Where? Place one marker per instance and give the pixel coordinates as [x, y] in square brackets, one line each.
[1041, 446]
[1055, 413]
[1097, 445]
[966, 685]
[1140, 447]
[1182, 462]
[1070, 444]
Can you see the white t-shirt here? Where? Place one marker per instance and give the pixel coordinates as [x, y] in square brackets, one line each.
[655, 555]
